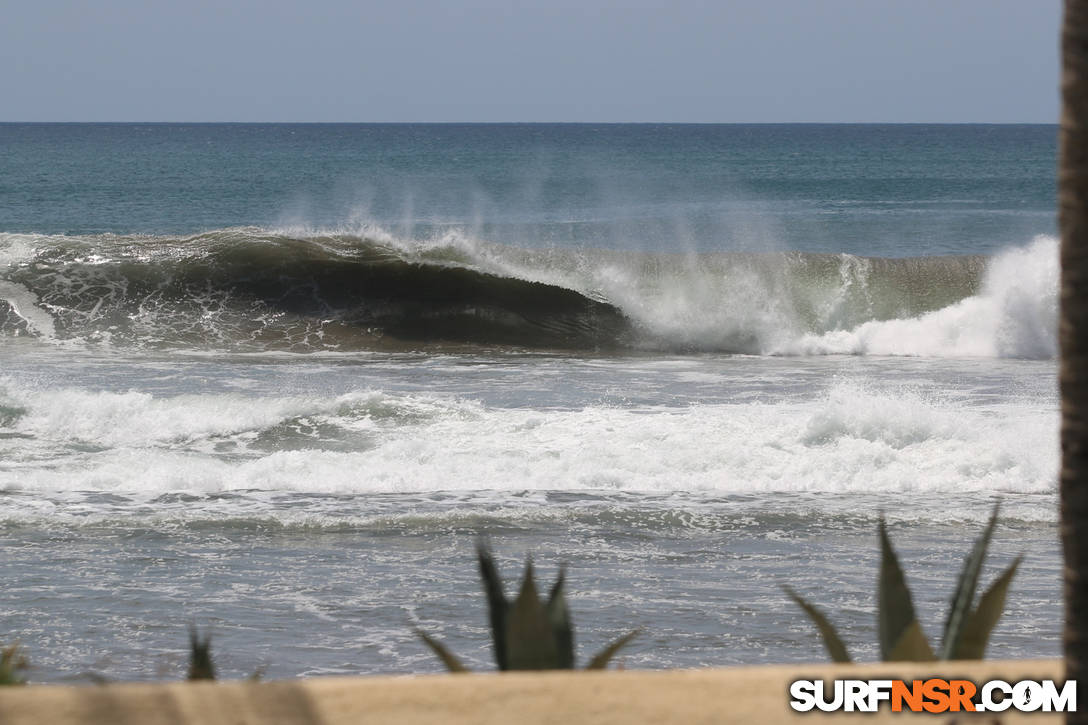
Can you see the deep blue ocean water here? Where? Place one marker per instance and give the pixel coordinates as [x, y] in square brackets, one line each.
[278, 379]
[960, 189]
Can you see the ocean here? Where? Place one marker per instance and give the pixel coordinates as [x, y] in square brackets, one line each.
[279, 380]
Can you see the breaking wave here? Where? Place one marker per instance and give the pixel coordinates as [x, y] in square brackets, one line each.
[249, 289]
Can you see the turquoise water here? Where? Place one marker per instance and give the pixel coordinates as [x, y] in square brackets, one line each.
[278, 379]
[960, 189]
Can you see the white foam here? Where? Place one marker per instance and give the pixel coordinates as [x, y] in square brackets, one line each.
[1014, 316]
[851, 440]
[14, 249]
[24, 303]
[139, 420]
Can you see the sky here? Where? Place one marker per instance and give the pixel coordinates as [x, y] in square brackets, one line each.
[717, 61]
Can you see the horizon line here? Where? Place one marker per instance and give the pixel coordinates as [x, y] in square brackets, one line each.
[553, 123]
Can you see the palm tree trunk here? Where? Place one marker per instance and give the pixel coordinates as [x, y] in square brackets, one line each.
[1073, 376]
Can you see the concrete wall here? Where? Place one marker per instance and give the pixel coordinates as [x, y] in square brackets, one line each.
[683, 697]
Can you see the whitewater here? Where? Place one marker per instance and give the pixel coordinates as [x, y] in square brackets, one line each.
[691, 363]
[417, 441]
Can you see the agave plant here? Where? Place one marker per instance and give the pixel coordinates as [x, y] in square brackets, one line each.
[966, 630]
[201, 666]
[528, 633]
[12, 665]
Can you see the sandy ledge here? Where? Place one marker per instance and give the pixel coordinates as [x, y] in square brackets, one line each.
[727, 695]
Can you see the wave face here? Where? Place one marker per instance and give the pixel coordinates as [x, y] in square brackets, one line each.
[250, 289]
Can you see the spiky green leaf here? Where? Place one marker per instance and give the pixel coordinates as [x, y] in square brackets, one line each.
[448, 659]
[497, 605]
[981, 622]
[201, 666]
[963, 598]
[601, 659]
[12, 665]
[836, 649]
[912, 646]
[895, 611]
[559, 618]
[530, 639]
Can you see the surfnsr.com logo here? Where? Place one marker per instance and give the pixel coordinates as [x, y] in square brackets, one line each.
[933, 695]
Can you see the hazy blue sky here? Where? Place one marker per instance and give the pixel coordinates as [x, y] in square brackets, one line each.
[528, 60]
